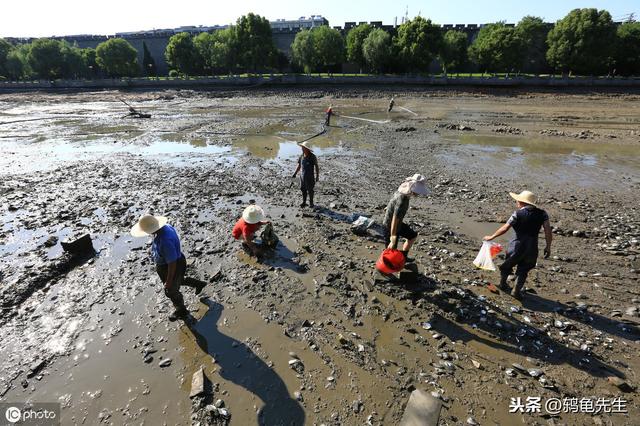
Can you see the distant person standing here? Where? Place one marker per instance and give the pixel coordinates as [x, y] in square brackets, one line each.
[522, 253]
[329, 113]
[171, 264]
[391, 104]
[308, 164]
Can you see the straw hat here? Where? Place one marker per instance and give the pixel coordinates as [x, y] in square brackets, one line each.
[147, 225]
[527, 197]
[253, 214]
[414, 184]
[305, 145]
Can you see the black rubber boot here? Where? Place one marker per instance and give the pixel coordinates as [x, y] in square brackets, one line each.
[407, 259]
[178, 313]
[503, 283]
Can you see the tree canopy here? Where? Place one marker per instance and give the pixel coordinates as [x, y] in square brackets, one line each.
[354, 42]
[497, 48]
[254, 42]
[418, 42]
[582, 42]
[318, 49]
[376, 50]
[117, 58]
[628, 49]
[533, 32]
[182, 55]
[454, 51]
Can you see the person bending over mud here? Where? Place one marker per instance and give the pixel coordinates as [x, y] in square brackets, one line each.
[308, 163]
[171, 264]
[392, 102]
[252, 219]
[329, 112]
[397, 209]
[522, 253]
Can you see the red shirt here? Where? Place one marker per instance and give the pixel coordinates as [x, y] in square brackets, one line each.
[244, 229]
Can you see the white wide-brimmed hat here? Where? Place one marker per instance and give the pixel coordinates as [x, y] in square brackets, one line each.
[527, 197]
[305, 145]
[414, 184]
[253, 214]
[147, 225]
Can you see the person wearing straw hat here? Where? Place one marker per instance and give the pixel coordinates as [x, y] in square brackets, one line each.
[397, 209]
[329, 113]
[522, 253]
[171, 264]
[308, 163]
[252, 219]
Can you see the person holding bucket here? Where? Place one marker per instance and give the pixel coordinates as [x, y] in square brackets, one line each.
[308, 164]
[395, 212]
[171, 264]
[522, 253]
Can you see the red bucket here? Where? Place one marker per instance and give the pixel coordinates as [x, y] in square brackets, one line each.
[390, 261]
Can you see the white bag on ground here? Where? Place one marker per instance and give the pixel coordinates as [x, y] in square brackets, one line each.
[483, 259]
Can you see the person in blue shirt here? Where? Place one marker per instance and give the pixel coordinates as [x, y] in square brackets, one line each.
[522, 253]
[171, 264]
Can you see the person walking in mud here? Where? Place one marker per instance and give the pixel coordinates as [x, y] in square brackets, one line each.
[171, 264]
[329, 113]
[392, 102]
[522, 253]
[395, 212]
[308, 164]
[252, 219]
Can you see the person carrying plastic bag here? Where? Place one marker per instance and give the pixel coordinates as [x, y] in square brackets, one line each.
[488, 252]
[522, 253]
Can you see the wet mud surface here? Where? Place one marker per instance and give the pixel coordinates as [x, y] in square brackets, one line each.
[302, 336]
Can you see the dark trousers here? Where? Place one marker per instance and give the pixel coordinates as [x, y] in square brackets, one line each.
[179, 280]
[522, 255]
[307, 184]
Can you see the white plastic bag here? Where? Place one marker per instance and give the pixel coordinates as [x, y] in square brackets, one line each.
[484, 259]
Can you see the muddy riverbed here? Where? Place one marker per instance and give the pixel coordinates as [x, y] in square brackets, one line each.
[303, 337]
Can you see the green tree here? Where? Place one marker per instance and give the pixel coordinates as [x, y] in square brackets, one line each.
[582, 42]
[16, 65]
[182, 55]
[302, 51]
[46, 58]
[218, 50]
[454, 51]
[418, 42]
[328, 47]
[497, 48]
[376, 50]
[117, 58]
[74, 65]
[355, 40]
[534, 32]
[254, 42]
[628, 49]
[5, 49]
[89, 59]
[148, 63]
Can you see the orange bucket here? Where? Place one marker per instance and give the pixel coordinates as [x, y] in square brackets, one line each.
[390, 261]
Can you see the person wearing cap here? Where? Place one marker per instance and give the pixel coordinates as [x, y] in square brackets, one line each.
[252, 219]
[171, 264]
[397, 209]
[308, 163]
[329, 113]
[522, 253]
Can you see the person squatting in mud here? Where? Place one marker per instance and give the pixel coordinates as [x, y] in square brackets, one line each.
[310, 173]
[171, 264]
[252, 219]
[522, 253]
[396, 210]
